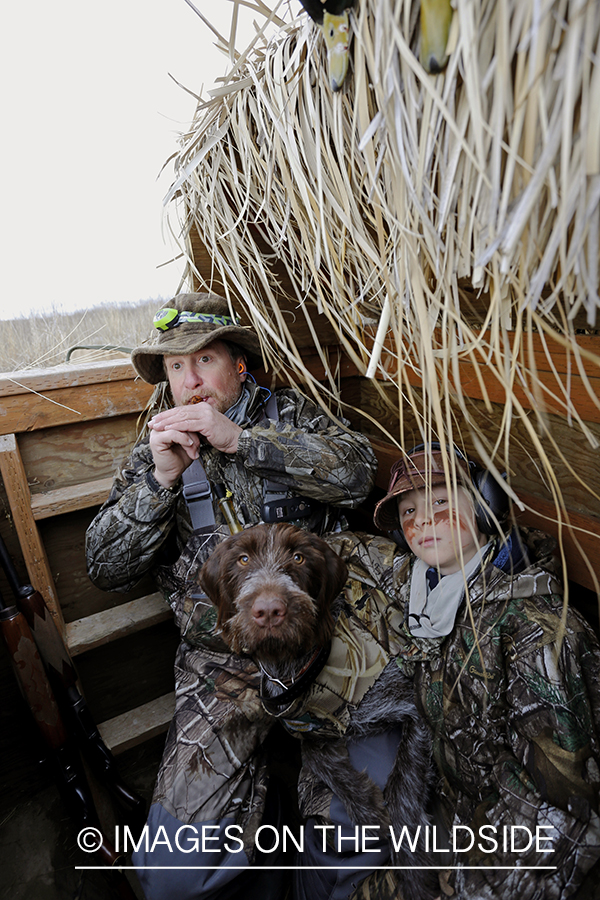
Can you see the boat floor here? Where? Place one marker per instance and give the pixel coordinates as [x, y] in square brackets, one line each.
[39, 855]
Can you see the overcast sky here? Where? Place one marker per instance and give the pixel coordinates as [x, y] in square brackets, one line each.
[89, 117]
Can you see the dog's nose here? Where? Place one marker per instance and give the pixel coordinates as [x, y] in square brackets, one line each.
[268, 612]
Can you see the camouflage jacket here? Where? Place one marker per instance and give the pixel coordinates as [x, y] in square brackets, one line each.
[144, 528]
[513, 701]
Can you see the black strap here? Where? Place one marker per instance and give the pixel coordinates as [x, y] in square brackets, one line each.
[273, 491]
[273, 705]
[198, 495]
[277, 506]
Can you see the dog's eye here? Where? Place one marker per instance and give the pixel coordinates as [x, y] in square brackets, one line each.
[244, 560]
[298, 558]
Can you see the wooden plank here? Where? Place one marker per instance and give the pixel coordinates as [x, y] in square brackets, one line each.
[573, 459]
[32, 548]
[549, 397]
[549, 353]
[472, 374]
[474, 307]
[138, 725]
[111, 624]
[64, 540]
[33, 411]
[62, 500]
[338, 363]
[66, 375]
[580, 537]
[79, 453]
[566, 380]
[281, 286]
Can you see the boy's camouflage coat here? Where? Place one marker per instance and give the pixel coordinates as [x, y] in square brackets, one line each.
[513, 700]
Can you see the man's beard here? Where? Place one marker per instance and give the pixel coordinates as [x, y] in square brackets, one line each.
[221, 401]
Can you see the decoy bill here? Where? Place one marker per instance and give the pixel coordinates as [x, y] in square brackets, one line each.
[436, 16]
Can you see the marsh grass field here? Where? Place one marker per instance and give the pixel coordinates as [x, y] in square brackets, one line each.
[42, 341]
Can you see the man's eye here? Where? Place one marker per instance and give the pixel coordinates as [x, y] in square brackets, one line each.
[298, 558]
[408, 511]
[244, 560]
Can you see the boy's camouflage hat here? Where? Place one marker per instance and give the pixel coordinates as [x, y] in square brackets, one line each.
[186, 324]
[419, 467]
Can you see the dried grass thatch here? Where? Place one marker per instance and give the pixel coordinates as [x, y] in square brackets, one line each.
[437, 222]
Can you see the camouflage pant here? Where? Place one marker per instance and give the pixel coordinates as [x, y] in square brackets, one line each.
[213, 776]
[213, 765]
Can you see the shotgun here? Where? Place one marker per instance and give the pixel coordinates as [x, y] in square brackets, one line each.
[72, 783]
[63, 680]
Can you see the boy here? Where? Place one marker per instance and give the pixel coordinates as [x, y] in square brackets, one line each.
[508, 684]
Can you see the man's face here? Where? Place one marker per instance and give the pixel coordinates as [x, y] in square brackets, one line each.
[439, 530]
[210, 374]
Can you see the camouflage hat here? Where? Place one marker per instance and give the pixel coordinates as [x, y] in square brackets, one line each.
[418, 468]
[186, 324]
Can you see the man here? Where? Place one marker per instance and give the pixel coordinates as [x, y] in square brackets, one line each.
[265, 459]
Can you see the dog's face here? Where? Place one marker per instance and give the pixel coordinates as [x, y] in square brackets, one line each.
[273, 586]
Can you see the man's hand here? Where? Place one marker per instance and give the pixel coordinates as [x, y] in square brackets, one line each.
[175, 438]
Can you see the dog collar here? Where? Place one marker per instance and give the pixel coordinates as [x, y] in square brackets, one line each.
[276, 706]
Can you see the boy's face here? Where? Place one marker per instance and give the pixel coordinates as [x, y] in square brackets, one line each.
[439, 531]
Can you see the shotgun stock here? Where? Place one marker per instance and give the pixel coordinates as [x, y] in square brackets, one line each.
[63, 679]
[36, 689]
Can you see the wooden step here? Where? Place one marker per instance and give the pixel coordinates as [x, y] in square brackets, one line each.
[138, 725]
[111, 624]
[68, 499]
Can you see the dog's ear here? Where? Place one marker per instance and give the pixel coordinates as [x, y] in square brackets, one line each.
[215, 583]
[334, 577]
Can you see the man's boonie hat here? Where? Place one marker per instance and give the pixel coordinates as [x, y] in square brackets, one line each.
[418, 468]
[186, 324]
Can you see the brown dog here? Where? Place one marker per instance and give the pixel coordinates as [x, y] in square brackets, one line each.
[274, 587]
[277, 590]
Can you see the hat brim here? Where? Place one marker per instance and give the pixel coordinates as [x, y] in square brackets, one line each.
[148, 360]
[423, 469]
[385, 514]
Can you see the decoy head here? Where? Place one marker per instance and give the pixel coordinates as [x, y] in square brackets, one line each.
[332, 17]
[336, 31]
[436, 16]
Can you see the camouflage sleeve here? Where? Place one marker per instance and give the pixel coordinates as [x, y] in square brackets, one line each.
[131, 528]
[310, 454]
[370, 559]
[547, 779]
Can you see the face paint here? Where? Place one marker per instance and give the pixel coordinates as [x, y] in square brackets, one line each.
[440, 528]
